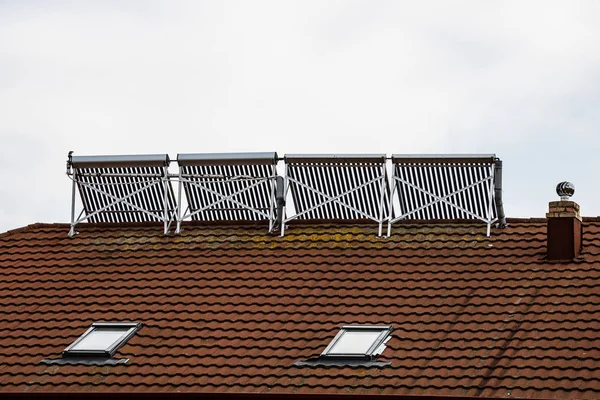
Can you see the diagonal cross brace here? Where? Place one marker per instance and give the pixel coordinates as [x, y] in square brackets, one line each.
[223, 198]
[335, 199]
[117, 200]
[443, 199]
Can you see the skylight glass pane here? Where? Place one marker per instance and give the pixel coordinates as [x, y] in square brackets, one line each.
[100, 339]
[355, 342]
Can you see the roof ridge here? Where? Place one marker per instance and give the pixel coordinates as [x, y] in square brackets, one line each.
[255, 224]
[28, 228]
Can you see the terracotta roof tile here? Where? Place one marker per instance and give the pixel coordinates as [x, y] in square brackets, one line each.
[231, 309]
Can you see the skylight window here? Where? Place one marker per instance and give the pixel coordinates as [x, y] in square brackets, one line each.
[102, 339]
[358, 341]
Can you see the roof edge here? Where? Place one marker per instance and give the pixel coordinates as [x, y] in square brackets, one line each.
[239, 396]
[296, 223]
[30, 227]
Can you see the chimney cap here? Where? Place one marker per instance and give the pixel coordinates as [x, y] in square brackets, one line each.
[565, 190]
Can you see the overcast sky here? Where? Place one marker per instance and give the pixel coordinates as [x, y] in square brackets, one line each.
[520, 79]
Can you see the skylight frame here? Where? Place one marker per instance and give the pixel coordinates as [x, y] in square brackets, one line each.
[129, 330]
[384, 335]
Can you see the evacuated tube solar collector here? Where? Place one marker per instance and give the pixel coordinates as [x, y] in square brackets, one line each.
[245, 187]
[227, 187]
[458, 186]
[123, 188]
[337, 186]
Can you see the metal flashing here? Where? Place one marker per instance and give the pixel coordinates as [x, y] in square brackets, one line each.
[85, 361]
[341, 362]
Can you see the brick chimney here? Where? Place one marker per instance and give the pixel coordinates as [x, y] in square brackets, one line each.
[564, 226]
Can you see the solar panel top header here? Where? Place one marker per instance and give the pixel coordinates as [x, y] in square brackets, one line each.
[140, 160]
[444, 158]
[334, 158]
[266, 158]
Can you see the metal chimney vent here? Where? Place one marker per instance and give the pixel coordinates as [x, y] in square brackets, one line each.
[565, 190]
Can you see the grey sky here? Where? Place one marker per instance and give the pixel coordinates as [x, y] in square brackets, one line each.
[517, 78]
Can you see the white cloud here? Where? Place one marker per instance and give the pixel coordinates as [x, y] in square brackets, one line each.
[516, 78]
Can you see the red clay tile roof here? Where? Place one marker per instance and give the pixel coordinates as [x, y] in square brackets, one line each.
[231, 309]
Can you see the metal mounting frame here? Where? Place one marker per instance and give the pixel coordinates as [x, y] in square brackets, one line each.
[245, 186]
[444, 186]
[128, 188]
[227, 186]
[331, 186]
